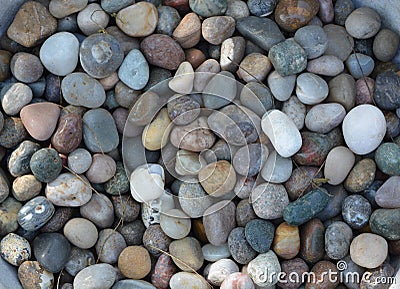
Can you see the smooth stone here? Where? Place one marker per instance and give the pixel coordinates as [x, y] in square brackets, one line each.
[79, 260]
[288, 57]
[286, 142]
[52, 251]
[386, 196]
[26, 67]
[326, 12]
[295, 110]
[144, 108]
[340, 43]
[232, 52]
[127, 43]
[154, 239]
[311, 88]
[286, 241]
[79, 160]
[306, 207]
[18, 163]
[312, 241]
[175, 224]
[98, 210]
[267, 262]
[188, 31]
[368, 250]
[99, 131]
[59, 10]
[338, 164]
[363, 23]
[217, 178]
[99, 276]
[125, 208]
[79, 89]
[220, 90]
[102, 169]
[188, 163]
[342, 90]
[208, 8]
[40, 119]
[81, 233]
[262, 31]
[217, 29]
[239, 248]
[356, 211]
[371, 128]
[361, 176]
[269, 200]
[163, 272]
[188, 280]
[195, 57]
[15, 98]
[68, 190]
[256, 97]
[112, 6]
[261, 8]
[151, 211]
[281, 86]
[46, 165]
[59, 53]
[109, 246]
[237, 280]
[385, 223]
[260, 234]
[32, 24]
[100, 55]
[92, 19]
[301, 180]
[68, 135]
[32, 275]
[319, 270]
[214, 253]
[244, 212]
[168, 20]
[133, 232]
[322, 118]
[183, 79]
[313, 39]
[360, 65]
[26, 187]
[68, 24]
[134, 70]
[382, 272]
[58, 220]
[128, 283]
[342, 10]
[35, 213]
[370, 192]
[249, 160]
[277, 169]
[136, 255]
[237, 9]
[219, 220]
[326, 65]
[254, 67]
[338, 236]
[193, 199]
[385, 45]
[189, 250]
[296, 267]
[53, 88]
[386, 93]
[156, 46]
[294, 14]
[15, 249]
[220, 270]
[5, 58]
[147, 178]
[13, 132]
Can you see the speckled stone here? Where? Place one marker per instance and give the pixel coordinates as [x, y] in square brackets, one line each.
[387, 90]
[301, 180]
[132, 232]
[14, 97]
[26, 187]
[387, 158]
[385, 222]
[356, 211]
[154, 238]
[168, 20]
[46, 165]
[163, 271]
[119, 183]
[26, 67]
[239, 248]
[288, 57]
[343, 8]
[13, 132]
[259, 234]
[321, 280]
[314, 150]
[35, 213]
[208, 8]
[368, 250]
[18, 164]
[9, 215]
[269, 200]
[244, 213]
[217, 29]
[58, 220]
[33, 275]
[68, 134]
[381, 273]
[338, 236]
[15, 249]
[294, 266]
[267, 262]
[361, 176]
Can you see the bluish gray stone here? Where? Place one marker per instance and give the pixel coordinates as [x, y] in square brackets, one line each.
[134, 71]
[360, 65]
[129, 284]
[261, 7]
[112, 6]
[168, 20]
[288, 57]
[208, 8]
[46, 165]
[18, 164]
[313, 39]
[12, 281]
[35, 213]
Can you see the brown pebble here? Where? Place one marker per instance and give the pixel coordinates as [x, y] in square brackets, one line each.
[286, 241]
[312, 238]
[188, 31]
[293, 14]
[195, 57]
[134, 262]
[321, 280]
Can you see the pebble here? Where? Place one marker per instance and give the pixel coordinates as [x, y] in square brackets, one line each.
[59, 53]
[256, 97]
[368, 250]
[15, 249]
[240, 249]
[288, 57]
[68, 135]
[277, 169]
[261, 31]
[79, 260]
[188, 280]
[313, 39]
[125, 208]
[342, 9]
[311, 88]
[360, 65]
[314, 150]
[195, 57]
[9, 215]
[81, 233]
[175, 224]
[26, 67]
[79, 160]
[102, 169]
[183, 79]
[59, 10]
[220, 270]
[168, 20]
[208, 8]
[147, 178]
[237, 280]
[98, 210]
[193, 199]
[217, 29]
[340, 43]
[189, 163]
[99, 131]
[214, 253]
[361, 176]
[342, 90]
[384, 222]
[338, 237]
[163, 271]
[321, 280]
[133, 232]
[248, 160]
[254, 67]
[32, 275]
[154, 238]
[136, 255]
[312, 241]
[327, 65]
[18, 164]
[363, 23]
[35, 213]
[32, 24]
[99, 276]
[79, 89]
[286, 142]
[15, 98]
[220, 90]
[296, 111]
[387, 84]
[144, 108]
[261, 8]
[26, 187]
[306, 207]
[5, 58]
[338, 165]
[13, 132]
[386, 196]
[269, 200]
[111, 6]
[156, 46]
[259, 234]
[219, 220]
[267, 262]
[356, 211]
[134, 70]
[326, 11]
[244, 212]
[322, 118]
[92, 18]
[52, 251]
[295, 266]
[188, 250]
[188, 31]
[294, 14]
[109, 246]
[46, 165]
[232, 52]
[381, 273]
[281, 86]
[286, 241]
[385, 45]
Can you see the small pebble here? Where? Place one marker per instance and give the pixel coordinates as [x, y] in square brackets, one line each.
[356, 211]
[81, 233]
[35, 213]
[368, 250]
[267, 262]
[311, 88]
[269, 200]
[98, 210]
[46, 165]
[338, 236]
[363, 23]
[286, 241]
[136, 255]
[288, 57]
[360, 65]
[109, 246]
[99, 276]
[92, 18]
[79, 260]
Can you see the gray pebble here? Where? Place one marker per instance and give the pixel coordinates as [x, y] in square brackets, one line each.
[338, 236]
[134, 71]
[18, 164]
[360, 65]
[313, 39]
[78, 260]
[79, 160]
[109, 246]
[35, 213]
[99, 210]
[356, 211]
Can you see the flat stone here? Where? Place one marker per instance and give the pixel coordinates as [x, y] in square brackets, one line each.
[269, 200]
[340, 43]
[360, 65]
[368, 250]
[175, 224]
[134, 70]
[295, 110]
[281, 86]
[101, 276]
[98, 210]
[214, 253]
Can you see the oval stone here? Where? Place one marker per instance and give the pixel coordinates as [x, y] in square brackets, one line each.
[338, 164]
[338, 236]
[99, 276]
[312, 241]
[293, 14]
[322, 118]
[188, 281]
[138, 20]
[368, 250]
[68, 135]
[386, 223]
[35, 213]
[269, 200]
[134, 70]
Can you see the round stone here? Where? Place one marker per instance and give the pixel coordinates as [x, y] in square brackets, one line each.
[217, 29]
[208, 8]
[163, 271]
[293, 14]
[363, 23]
[340, 43]
[35, 213]
[189, 251]
[386, 158]
[79, 260]
[92, 18]
[154, 238]
[368, 250]
[68, 135]
[139, 256]
[238, 9]
[18, 164]
[99, 210]
[213, 253]
[277, 169]
[259, 234]
[100, 276]
[138, 20]
[59, 10]
[321, 280]
[256, 97]
[313, 39]
[288, 57]
[267, 262]
[217, 178]
[364, 128]
[360, 65]
[26, 67]
[59, 53]
[46, 165]
[134, 70]
[248, 160]
[81, 233]
[338, 164]
[342, 90]
[188, 32]
[193, 199]
[15, 98]
[26, 187]
[175, 223]
[133, 232]
[385, 45]
[102, 169]
[338, 236]
[13, 132]
[269, 200]
[387, 84]
[385, 222]
[327, 65]
[261, 8]
[356, 211]
[109, 246]
[125, 208]
[168, 20]
[311, 88]
[286, 241]
[15, 249]
[254, 67]
[79, 160]
[361, 176]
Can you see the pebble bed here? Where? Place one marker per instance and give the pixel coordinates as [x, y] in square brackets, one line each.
[194, 144]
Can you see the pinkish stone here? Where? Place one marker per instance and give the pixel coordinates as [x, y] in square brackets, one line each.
[163, 272]
[237, 281]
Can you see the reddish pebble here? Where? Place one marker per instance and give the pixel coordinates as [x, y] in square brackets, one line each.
[163, 271]
[237, 281]
[68, 135]
[195, 57]
[365, 91]
[181, 5]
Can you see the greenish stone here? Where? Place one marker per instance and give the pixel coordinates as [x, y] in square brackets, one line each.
[386, 223]
[307, 207]
[119, 184]
[208, 8]
[46, 165]
[288, 57]
[387, 158]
